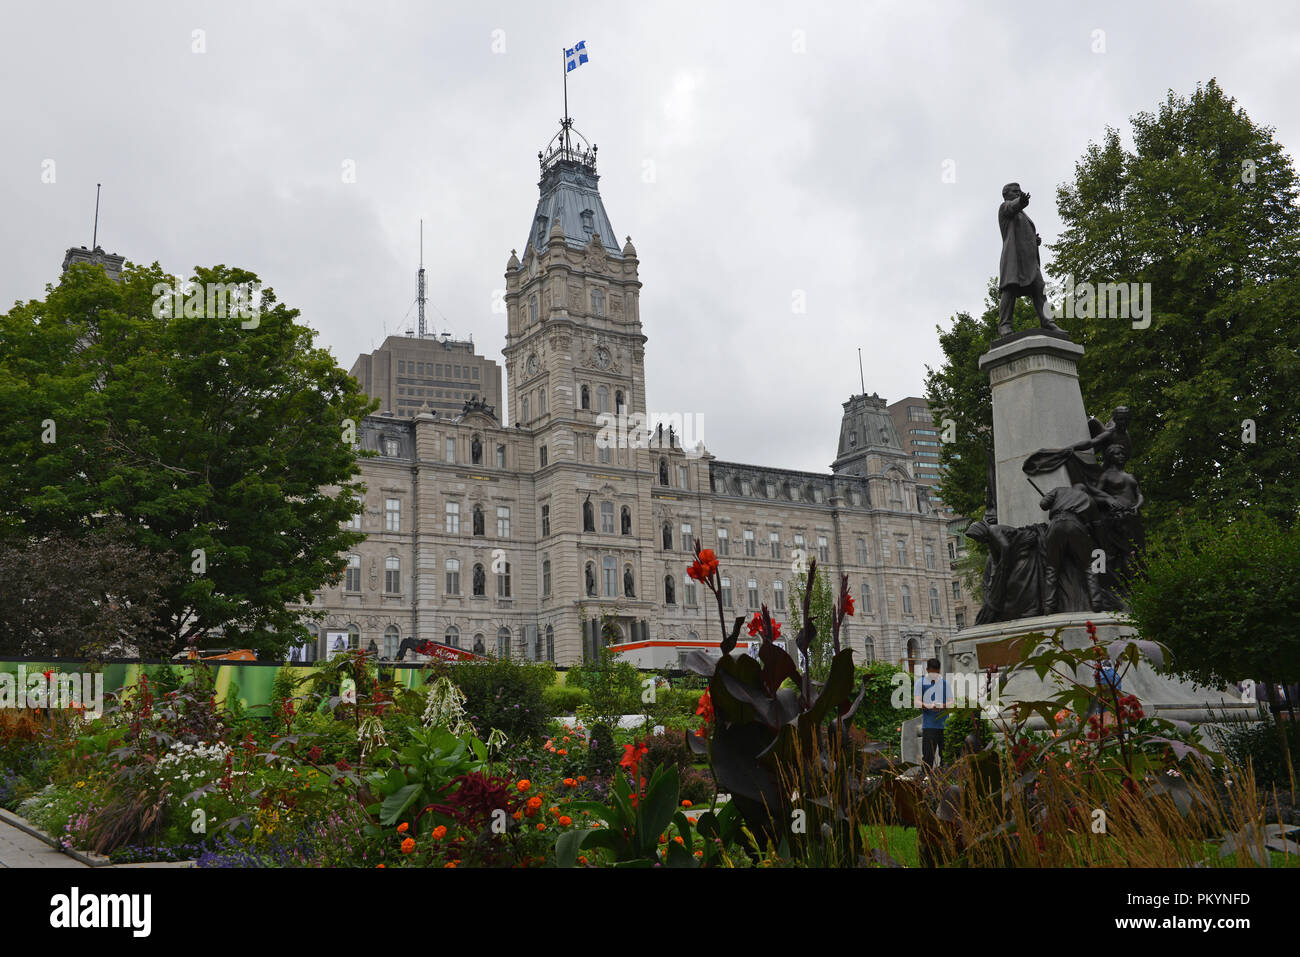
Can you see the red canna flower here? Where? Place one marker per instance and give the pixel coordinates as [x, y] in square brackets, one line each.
[706, 707]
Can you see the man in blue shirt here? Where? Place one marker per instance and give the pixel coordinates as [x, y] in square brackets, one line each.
[932, 695]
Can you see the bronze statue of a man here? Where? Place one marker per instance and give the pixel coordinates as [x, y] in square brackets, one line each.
[1019, 271]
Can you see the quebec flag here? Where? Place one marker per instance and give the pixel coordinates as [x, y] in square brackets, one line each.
[576, 57]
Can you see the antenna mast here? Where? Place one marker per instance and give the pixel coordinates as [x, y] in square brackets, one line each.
[419, 285]
[94, 241]
[860, 375]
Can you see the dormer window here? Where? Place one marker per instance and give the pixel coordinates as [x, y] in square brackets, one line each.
[390, 446]
[588, 221]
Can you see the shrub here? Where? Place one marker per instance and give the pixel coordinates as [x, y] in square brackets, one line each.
[603, 752]
[961, 724]
[1258, 745]
[667, 750]
[561, 699]
[877, 715]
[505, 695]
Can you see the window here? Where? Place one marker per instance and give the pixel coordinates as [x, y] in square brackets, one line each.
[610, 568]
[501, 456]
[823, 549]
[689, 593]
[503, 581]
[907, 600]
[452, 637]
[956, 591]
[961, 620]
[774, 542]
[550, 643]
[668, 537]
[352, 581]
[401, 367]
[752, 588]
[453, 576]
[778, 597]
[869, 650]
[503, 521]
[355, 521]
[670, 590]
[929, 556]
[546, 577]
[478, 586]
[607, 518]
[602, 398]
[391, 446]
[798, 543]
[450, 447]
[586, 398]
[588, 517]
[546, 520]
[619, 404]
[354, 637]
[724, 542]
[862, 551]
[392, 574]
[902, 551]
[681, 476]
[597, 295]
[688, 539]
[503, 642]
[934, 602]
[393, 514]
[392, 638]
[750, 548]
[453, 518]
[541, 457]
[865, 598]
[478, 520]
[952, 551]
[726, 593]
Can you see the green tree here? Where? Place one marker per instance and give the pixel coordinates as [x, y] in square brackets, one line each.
[200, 430]
[1204, 209]
[1221, 596]
[821, 610]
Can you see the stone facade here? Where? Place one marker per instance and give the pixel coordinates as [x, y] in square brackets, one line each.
[563, 527]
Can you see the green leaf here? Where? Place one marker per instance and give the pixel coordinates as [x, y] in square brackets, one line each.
[395, 805]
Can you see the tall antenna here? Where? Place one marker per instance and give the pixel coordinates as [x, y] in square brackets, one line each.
[860, 375]
[94, 241]
[419, 286]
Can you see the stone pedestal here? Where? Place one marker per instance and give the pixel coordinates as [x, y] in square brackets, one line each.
[1036, 405]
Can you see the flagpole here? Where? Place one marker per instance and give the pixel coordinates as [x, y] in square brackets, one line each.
[564, 68]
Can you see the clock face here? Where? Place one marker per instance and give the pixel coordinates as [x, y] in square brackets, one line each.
[532, 365]
[602, 357]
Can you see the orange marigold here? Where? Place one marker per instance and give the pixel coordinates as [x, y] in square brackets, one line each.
[403, 828]
[524, 785]
[541, 826]
[439, 832]
[534, 802]
[686, 804]
[565, 820]
[408, 845]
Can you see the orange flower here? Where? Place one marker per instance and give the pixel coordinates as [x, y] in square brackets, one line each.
[403, 828]
[408, 845]
[699, 853]
[566, 737]
[449, 864]
[534, 802]
[570, 783]
[524, 785]
[554, 811]
[518, 815]
[582, 859]
[679, 840]
[439, 832]
[565, 820]
[663, 838]
[379, 865]
[581, 778]
[541, 827]
[686, 804]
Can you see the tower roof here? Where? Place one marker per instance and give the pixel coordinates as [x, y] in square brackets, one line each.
[570, 196]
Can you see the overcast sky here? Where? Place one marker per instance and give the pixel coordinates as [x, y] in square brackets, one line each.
[756, 153]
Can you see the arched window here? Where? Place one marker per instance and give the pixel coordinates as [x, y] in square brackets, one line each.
[663, 471]
[913, 651]
[392, 638]
[503, 642]
[929, 556]
[354, 637]
[668, 537]
[586, 398]
[934, 602]
[610, 569]
[692, 636]
[480, 581]
[452, 637]
[670, 590]
[602, 398]
[625, 520]
[869, 650]
[550, 643]
[588, 517]
[478, 519]
[907, 600]
[629, 583]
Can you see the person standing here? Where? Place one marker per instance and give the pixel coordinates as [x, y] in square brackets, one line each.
[933, 695]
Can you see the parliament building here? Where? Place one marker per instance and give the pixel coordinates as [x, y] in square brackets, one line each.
[522, 539]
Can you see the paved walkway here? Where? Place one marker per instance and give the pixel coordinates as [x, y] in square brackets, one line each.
[20, 849]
